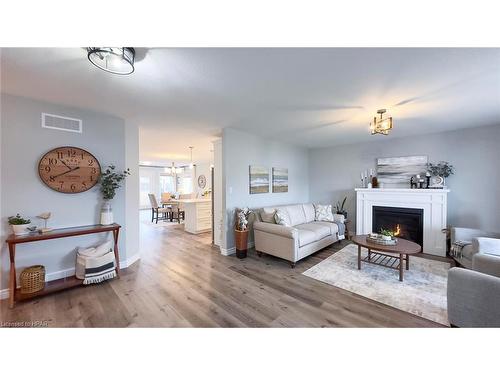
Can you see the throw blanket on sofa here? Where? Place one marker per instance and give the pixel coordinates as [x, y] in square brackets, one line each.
[341, 234]
[457, 247]
[94, 265]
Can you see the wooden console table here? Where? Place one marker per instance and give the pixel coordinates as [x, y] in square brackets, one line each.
[59, 284]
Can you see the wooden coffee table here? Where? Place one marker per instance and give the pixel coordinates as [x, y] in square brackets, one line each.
[377, 254]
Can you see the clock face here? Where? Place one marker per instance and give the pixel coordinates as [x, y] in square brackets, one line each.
[69, 170]
[202, 181]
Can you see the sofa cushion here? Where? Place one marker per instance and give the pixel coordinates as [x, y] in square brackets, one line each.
[323, 212]
[334, 228]
[309, 212]
[267, 215]
[282, 218]
[296, 214]
[320, 231]
[306, 237]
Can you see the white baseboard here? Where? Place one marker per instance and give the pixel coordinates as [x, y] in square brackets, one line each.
[227, 252]
[4, 293]
[232, 250]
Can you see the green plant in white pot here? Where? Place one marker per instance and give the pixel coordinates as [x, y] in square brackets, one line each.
[19, 224]
[109, 182]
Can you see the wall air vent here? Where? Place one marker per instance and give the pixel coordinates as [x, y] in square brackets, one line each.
[56, 122]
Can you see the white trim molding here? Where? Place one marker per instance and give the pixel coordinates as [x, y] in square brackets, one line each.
[432, 201]
[232, 250]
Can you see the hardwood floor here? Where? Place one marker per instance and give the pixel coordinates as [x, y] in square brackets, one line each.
[181, 281]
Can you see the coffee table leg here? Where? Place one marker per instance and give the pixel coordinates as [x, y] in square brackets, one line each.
[407, 262]
[359, 257]
[400, 267]
[369, 255]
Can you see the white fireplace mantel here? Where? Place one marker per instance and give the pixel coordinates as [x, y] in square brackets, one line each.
[432, 201]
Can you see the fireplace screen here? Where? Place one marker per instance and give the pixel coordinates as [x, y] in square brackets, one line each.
[406, 223]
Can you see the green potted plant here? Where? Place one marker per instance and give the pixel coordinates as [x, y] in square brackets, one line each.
[109, 182]
[340, 207]
[442, 169]
[386, 234]
[19, 224]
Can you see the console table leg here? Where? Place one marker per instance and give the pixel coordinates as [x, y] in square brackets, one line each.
[12, 275]
[117, 256]
[401, 267]
[407, 262]
[359, 257]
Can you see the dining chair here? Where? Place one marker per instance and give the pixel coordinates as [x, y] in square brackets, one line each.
[157, 210]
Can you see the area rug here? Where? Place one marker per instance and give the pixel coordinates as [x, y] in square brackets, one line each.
[423, 291]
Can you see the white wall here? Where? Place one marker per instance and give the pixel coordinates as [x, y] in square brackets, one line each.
[240, 150]
[475, 152]
[23, 142]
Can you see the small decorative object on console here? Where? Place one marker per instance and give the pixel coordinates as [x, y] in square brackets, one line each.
[110, 181]
[45, 216]
[19, 224]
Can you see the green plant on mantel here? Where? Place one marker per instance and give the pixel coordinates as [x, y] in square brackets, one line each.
[111, 180]
[442, 169]
[18, 220]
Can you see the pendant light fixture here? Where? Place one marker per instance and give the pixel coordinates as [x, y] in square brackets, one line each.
[191, 165]
[381, 125]
[116, 60]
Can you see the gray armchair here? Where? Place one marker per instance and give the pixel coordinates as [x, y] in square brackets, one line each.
[481, 242]
[474, 295]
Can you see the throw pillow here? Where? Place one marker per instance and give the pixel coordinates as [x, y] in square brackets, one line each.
[267, 216]
[282, 218]
[323, 212]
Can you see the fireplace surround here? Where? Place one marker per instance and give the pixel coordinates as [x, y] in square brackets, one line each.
[432, 202]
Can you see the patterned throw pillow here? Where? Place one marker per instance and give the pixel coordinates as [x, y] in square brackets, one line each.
[282, 218]
[323, 212]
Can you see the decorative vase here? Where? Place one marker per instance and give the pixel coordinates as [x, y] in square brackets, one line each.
[106, 214]
[241, 243]
[20, 229]
[386, 238]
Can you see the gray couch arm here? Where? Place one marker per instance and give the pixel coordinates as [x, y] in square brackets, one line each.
[473, 299]
[486, 245]
[488, 264]
[279, 230]
[465, 234]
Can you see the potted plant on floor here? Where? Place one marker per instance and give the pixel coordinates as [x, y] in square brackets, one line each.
[340, 207]
[109, 182]
[241, 232]
[19, 224]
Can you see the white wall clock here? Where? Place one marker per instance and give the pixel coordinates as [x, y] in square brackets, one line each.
[202, 181]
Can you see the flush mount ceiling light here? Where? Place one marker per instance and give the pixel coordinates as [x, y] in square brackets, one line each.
[381, 125]
[116, 60]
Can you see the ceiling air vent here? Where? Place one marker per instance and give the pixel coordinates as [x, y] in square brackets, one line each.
[56, 122]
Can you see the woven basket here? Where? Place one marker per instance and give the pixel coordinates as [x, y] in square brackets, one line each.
[32, 279]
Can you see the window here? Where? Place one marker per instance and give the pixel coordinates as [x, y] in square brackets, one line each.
[185, 185]
[167, 184]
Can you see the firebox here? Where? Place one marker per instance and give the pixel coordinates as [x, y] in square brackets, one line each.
[406, 223]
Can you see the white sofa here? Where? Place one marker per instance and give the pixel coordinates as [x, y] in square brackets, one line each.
[302, 238]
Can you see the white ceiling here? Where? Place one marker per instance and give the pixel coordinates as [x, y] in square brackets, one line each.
[311, 97]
